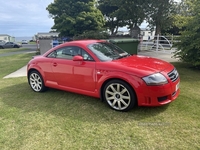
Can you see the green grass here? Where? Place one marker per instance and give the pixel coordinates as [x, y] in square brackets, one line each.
[62, 120]
[12, 63]
[11, 50]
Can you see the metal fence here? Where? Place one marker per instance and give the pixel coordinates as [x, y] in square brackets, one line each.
[158, 43]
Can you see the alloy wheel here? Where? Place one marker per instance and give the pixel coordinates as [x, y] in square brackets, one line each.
[36, 82]
[117, 96]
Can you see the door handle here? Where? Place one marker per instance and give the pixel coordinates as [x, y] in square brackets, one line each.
[54, 64]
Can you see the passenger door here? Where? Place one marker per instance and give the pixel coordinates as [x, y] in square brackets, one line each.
[62, 66]
[84, 72]
[8, 45]
[73, 74]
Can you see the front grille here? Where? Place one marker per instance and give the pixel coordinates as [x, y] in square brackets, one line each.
[173, 75]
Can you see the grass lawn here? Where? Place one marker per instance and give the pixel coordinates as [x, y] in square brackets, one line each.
[11, 50]
[62, 120]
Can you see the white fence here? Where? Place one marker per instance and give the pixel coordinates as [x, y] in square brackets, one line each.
[158, 43]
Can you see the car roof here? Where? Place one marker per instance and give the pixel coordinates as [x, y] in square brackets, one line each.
[83, 42]
[74, 43]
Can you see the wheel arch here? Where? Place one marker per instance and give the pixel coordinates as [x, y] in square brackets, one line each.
[110, 79]
[34, 69]
[40, 84]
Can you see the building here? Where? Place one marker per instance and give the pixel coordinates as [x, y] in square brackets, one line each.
[46, 35]
[147, 34]
[7, 38]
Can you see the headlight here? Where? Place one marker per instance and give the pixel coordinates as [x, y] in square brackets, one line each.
[155, 79]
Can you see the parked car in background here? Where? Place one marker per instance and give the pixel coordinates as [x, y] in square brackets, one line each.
[24, 42]
[100, 69]
[10, 45]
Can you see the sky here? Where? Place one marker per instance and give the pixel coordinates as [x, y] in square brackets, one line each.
[24, 18]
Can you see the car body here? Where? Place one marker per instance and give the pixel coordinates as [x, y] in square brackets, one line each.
[24, 42]
[10, 45]
[103, 70]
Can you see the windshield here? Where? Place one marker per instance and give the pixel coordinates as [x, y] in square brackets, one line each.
[107, 51]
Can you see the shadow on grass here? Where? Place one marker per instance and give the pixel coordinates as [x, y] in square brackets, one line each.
[74, 106]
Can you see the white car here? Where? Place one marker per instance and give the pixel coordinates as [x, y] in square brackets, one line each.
[24, 42]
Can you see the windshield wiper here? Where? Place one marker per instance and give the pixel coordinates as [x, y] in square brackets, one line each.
[123, 56]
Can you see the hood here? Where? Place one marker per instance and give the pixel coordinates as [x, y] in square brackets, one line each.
[145, 65]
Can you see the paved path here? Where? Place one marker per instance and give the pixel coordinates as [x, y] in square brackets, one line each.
[160, 55]
[22, 71]
[164, 56]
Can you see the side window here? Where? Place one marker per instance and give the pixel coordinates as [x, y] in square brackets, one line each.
[83, 53]
[52, 54]
[86, 56]
[64, 53]
[69, 52]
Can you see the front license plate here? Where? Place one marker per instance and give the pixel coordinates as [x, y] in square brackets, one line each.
[177, 86]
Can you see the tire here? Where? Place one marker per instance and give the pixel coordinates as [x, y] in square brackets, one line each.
[119, 95]
[1, 47]
[15, 46]
[36, 81]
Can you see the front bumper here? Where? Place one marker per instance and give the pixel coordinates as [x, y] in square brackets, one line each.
[159, 95]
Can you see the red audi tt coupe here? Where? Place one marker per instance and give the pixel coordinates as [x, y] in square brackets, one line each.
[100, 69]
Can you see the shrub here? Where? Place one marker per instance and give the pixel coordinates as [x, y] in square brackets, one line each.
[92, 35]
[189, 45]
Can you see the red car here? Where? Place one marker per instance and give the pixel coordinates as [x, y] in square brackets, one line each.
[100, 69]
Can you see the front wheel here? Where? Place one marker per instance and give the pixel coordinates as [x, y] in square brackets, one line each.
[119, 95]
[36, 81]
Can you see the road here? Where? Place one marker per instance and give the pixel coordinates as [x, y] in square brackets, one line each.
[31, 48]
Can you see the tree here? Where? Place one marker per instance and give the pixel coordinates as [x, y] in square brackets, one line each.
[189, 45]
[160, 14]
[110, 11]
[134, 13]
[72, 17]
[123, 13]
[179, 18]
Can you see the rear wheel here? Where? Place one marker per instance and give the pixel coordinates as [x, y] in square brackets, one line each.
[15, 46]
[119, 95]
[36, 81]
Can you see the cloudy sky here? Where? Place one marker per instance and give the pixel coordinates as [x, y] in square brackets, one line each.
[24, 17]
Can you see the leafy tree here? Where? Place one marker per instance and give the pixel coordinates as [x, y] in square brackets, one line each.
[133, 11]
[72, 17]
[180, 18]
[123, 13]
[112, 16]
[159, 14]
[189, 45]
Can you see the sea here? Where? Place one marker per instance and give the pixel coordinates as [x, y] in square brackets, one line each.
[19, 39]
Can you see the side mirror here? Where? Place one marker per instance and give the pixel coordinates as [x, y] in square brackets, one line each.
[77, 58]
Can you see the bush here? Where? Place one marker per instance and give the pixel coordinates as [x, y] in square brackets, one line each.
[92, 35]
[189, 45]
